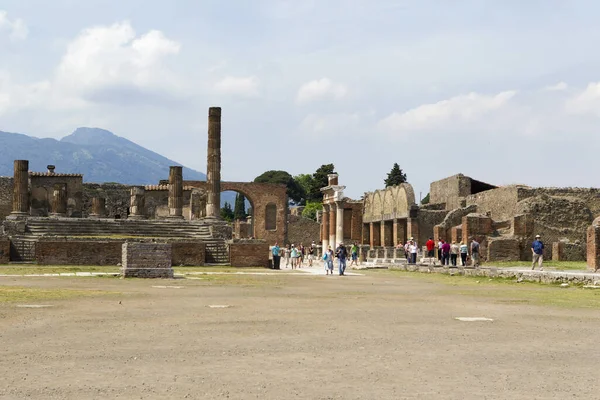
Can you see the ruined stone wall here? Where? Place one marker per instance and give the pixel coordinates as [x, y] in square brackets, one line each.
[450, 191]
[146, 260]
[593, 247]
[42, 193]
[61, 252]
[188, 254]
[4, 250]
[6, 193]
[503, 249]
[562, 251]
[157, 204]
[591, 197]
[117, 198]
[251, 253]
[302, 230]
[500, 203]
[427, 219]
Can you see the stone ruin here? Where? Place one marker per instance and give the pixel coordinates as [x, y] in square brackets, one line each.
[56, 217]
[504, 219]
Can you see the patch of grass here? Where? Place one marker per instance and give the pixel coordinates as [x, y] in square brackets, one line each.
[53, 269]
[184, 270]
[552, 265]
[14, 294]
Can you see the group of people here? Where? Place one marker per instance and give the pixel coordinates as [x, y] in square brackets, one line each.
[411, 249]
[293, 255]
[341, 253]
[448, 252]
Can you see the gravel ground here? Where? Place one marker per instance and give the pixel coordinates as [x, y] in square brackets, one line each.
[378, 336]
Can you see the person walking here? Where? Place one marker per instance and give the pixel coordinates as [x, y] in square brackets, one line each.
[454, 250]
[475, 253]
[537, 248]
[286, 255]
[276, 251]
[354, 254]
[430, 248]
[464, 252]
[294, 256]
[300, 255]
[445, 253]
[341, 253]
[439, 247]
[328, 258]
[311, 254]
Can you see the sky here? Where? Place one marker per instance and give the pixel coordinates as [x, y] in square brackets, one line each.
[505, 91]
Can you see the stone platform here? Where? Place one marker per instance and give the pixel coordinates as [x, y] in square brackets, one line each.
[146, 260]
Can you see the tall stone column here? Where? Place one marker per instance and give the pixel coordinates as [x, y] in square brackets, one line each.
[98, 207]
[213, 168]
[339, 227]
[59, 200]
[325, 228]
[20, 206]
[175, 192]
[332, 218]
[137, 209]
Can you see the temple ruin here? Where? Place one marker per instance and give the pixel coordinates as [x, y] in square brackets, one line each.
[57, 218]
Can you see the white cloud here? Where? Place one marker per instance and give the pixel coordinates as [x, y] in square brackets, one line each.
[112, 56]
[319, 89]
[460, 109]
[586, 102]
[560, 86]
[330, 124]
[16, 28]
[242, 86]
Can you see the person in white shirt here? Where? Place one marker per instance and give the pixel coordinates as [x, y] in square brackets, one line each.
[413, 252]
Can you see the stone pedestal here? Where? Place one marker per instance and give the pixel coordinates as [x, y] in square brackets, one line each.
[59, 200]
[176, 192]
[146, 260]
[213, 168]
[137, 209]
[20, 205]
[98, 207]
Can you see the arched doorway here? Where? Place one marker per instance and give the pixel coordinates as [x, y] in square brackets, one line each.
[237, 208]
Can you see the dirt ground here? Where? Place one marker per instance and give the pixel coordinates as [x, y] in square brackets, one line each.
[384, 335]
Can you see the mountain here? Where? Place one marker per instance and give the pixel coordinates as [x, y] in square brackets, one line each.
[100, 155]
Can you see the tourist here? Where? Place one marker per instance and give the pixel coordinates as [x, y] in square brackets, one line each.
[413, 248]
[439, 247]
[294, 256]
[537, 248]
[464, 251]
[475, 253]
[311, 254]
[445, 253]
[341, 253]
[454, 250]
[276, 251]
[286, 255]
[430, 248]
[328, 259]
[300, 255]
[354, 254]
[407, 251]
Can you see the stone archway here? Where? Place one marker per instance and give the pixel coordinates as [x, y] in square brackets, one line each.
[262, 196]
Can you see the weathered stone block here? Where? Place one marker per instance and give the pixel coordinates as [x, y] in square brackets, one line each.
[4, 250]
[249, 254]
[146, 260]
[593, 247]
[503, 250]
[80, 252]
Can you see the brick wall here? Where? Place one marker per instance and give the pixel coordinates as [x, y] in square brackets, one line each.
[6, 192]
[249, 254]
[188, 253]
[501, 203]
[503, 250]
[146, 260]
[50, 252]
[593, 247]
[562, 251]
[450, 191]
[4, 250]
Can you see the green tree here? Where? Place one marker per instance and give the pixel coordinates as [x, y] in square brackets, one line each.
[311, 208]
[294, 190]
[395, 176]
[239, 209]
[305, 181]
[319, 180]
[425, 199]
[227, 212]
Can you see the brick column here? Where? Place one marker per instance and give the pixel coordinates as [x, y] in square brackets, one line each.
[593, 247]
[412, 229]
[98, 207]
[137, 209]
[339, 227]
[20, 205]
[332, 221]
[213, 168]
[175, 192]
[325, 228]
[59, 200]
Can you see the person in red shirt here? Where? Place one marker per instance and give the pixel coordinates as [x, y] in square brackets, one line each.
[430, 247]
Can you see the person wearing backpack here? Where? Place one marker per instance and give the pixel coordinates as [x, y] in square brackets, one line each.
[475, 253]
[341, 253]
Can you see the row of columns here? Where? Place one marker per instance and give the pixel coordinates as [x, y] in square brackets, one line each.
[332, 233]
[390, 233]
